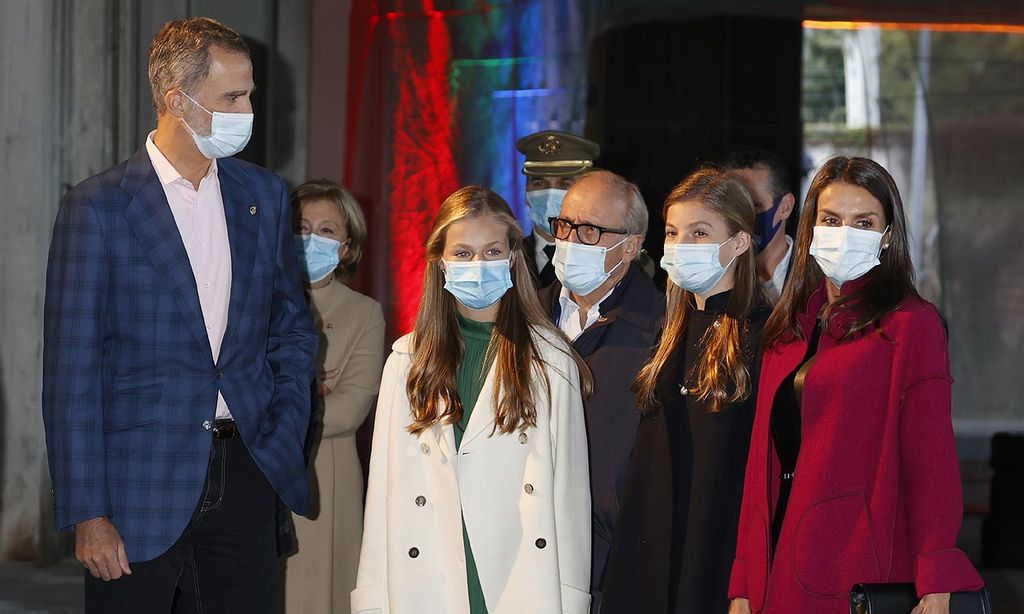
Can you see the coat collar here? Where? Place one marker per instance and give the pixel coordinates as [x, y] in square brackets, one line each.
[717, 303]
[482, 418]
[481, 421]
[843, 319]
[629, 301]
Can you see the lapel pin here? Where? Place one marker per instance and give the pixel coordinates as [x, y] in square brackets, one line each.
[252, 210]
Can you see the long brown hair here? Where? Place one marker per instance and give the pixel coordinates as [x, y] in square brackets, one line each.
[438, 348]
[721, 374]
[890, 282]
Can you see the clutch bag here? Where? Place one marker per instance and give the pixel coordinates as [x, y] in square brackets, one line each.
[898, 598]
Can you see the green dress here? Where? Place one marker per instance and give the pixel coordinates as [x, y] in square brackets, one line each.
[469, 380]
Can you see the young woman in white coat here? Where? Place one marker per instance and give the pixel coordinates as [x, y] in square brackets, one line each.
[478, 497]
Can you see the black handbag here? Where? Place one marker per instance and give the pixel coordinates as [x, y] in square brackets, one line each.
[895, 598]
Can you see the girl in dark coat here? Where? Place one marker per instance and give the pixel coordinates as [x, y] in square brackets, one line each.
[674, 545]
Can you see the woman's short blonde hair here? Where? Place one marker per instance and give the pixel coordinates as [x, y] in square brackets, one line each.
[351, 213]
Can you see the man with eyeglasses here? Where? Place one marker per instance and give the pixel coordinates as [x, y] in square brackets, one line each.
[554, 161]
[612, 312]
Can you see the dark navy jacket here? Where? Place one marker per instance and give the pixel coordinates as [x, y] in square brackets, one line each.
[615, 348]
[129, 382]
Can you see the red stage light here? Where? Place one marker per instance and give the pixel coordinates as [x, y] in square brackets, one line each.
[423, 171]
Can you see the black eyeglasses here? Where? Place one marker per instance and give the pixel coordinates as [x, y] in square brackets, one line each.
[588, 234]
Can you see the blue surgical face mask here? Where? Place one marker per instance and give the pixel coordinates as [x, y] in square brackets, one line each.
[544, 204]
[580, 267]
[695, 266]
[480, 283]
[229, 133]
[764, 226]
[318, 255]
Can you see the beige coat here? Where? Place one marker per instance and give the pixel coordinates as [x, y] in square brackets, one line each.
[525, 499]
[321, 574]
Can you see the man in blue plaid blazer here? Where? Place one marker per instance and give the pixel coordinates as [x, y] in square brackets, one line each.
[171, 427]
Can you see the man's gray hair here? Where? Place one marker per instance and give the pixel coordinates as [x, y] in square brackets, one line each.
[636, 218]
[179, 56]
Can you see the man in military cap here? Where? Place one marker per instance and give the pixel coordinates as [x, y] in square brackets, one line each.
[554, 160]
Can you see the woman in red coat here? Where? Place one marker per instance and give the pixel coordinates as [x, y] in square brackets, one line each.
[852, 475]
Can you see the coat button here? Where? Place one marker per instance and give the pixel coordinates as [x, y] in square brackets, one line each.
[414, 552]
[425, 449]
[541, 542]
[207, 424]
[219, 374]
[529, 489]
[421, 501]
[523, 438]
[329, 326]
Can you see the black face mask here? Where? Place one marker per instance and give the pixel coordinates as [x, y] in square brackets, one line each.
[764, 232]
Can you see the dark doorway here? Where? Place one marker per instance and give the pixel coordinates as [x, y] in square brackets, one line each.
[668, 96]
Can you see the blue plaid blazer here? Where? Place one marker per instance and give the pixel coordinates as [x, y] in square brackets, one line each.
[129, 381]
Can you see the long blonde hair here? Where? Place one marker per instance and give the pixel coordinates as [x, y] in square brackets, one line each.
[721, 373]
[438, 348]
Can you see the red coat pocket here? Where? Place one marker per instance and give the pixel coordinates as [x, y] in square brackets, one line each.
[834, 547]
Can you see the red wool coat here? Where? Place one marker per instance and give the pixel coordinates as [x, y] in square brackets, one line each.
[877, 494]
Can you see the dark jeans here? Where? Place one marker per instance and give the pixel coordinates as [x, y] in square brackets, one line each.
[223, 563]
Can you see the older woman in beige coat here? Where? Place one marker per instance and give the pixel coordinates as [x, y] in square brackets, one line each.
[330, 233]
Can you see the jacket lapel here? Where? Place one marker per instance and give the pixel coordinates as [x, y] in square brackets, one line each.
[482, 418]
[150, 218]
[445, 437]
[242, 216]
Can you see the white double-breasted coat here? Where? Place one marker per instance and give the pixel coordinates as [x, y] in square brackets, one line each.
[524, 496]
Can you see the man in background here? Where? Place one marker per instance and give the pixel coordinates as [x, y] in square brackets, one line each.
[554, 161]
[764, 174]
[611, 311]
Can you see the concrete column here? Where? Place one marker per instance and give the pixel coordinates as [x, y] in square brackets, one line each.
[289, 84]
[860, 59]
[31, 173]
[328, 86]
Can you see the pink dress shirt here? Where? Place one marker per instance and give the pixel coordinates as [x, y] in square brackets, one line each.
[199, 215]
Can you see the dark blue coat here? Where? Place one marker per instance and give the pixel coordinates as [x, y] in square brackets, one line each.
[615, 348]
[129, 382]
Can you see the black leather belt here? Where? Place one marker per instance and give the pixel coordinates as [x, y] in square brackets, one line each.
[224, 428]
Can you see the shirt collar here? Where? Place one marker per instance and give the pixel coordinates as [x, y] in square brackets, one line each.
[779, 276]
[565, 299]
[165, 171]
